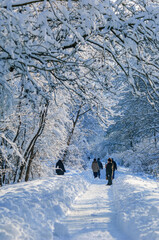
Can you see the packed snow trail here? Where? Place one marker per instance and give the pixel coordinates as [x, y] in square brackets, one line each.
[90, 216]
[127, 210]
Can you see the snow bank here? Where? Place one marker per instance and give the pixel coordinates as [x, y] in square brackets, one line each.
[136, 206]
[29, 210]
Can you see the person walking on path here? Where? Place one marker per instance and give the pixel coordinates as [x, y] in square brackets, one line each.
[95, 167]
[100, 166]
[114, 167]
[60, 169]
[109, 171]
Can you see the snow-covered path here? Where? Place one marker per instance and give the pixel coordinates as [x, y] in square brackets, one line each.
[127, 210]
[78, 207]
[90, 217]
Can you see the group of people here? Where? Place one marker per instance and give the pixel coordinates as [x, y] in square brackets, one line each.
[110, 167]
[97, 166]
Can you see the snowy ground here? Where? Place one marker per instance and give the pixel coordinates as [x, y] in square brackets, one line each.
[78, 207]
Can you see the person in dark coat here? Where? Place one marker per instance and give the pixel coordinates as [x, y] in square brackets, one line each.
[60, 169]
[109, 171]
[100, 166]
[114, 167]
[95, 167]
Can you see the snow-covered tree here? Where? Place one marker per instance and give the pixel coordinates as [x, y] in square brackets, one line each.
[82, 46]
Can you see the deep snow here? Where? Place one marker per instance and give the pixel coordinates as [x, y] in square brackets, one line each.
[78, 207]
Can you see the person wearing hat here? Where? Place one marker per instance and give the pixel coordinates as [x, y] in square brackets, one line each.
[109, 171]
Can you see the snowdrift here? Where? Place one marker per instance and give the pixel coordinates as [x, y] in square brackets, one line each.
[136, 205]
[29, 210]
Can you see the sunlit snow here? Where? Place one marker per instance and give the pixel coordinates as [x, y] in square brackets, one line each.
[76, 206]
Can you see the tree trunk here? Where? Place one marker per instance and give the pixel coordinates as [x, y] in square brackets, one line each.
[73, 128]
[29, 153]
[155, 139]
[71, 134]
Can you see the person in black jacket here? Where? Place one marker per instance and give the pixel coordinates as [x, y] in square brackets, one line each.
[109, 171]
[60, 169]
[100, 166]
[114, 167]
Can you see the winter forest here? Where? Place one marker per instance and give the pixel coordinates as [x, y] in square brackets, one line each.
[78, 79]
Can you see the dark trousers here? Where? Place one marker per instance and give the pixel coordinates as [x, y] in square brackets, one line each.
[109, 176]
[98, 174]
[95, 174]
